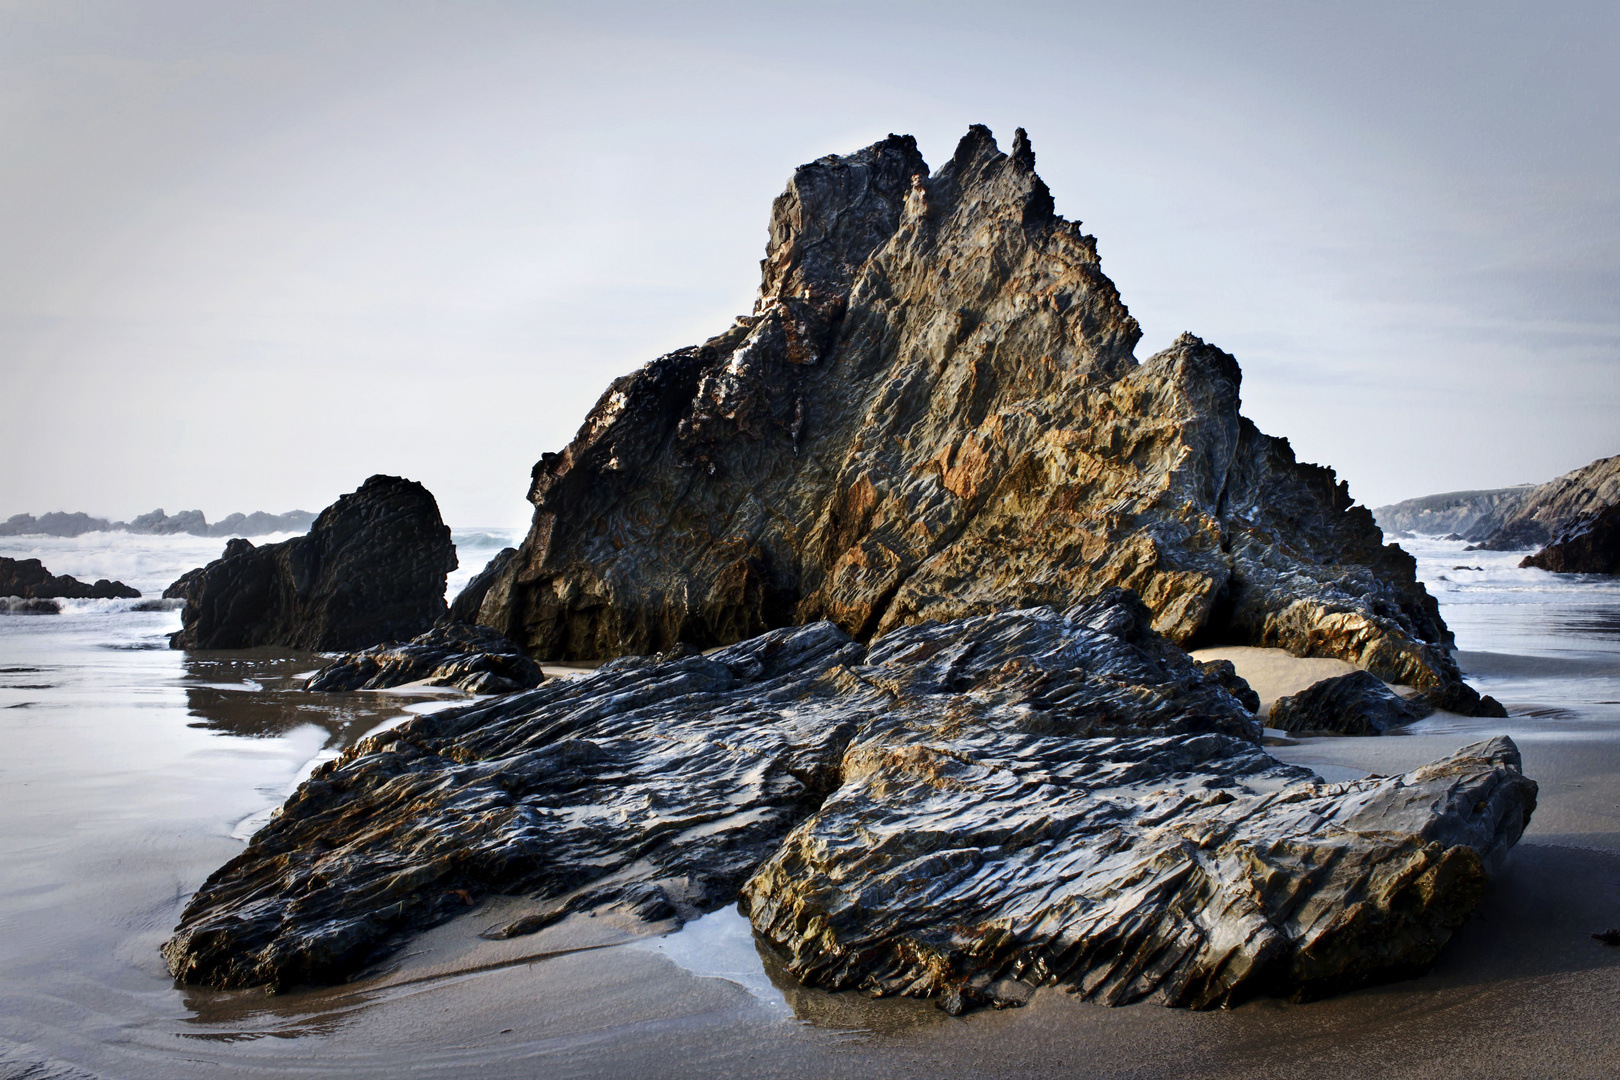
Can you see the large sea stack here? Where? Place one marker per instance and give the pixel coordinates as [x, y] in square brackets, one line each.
[935, 411]
[372, 568]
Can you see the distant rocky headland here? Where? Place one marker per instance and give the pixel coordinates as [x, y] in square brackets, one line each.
[36, 588]
[157, 523]
[894, 580]
[1571, 518]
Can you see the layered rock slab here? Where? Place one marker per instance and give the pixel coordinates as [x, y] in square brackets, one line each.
[1004, 763]
[372, 568]
[471, 658]
[935, 411]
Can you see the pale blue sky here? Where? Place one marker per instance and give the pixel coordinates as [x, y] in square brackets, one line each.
[253, 253]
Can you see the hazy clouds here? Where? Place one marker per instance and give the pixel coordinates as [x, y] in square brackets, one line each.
[250, 254]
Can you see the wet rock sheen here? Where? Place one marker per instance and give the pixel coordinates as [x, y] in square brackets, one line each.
[471, 658]
[964, 810]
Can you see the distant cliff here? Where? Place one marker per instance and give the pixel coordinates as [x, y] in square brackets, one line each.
[157, 523]
[1453, 512]
[1548, 510]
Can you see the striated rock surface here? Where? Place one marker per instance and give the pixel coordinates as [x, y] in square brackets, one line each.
[1550, 508]
[464, 608]
[1121, 883]
[1588, 545]
[1454, 512]
[27, 579]
[935, 411]
[471, 658]
[1352, 704]
[966, 809]
[371, 568]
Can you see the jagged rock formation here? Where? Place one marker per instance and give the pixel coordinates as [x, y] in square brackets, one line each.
[372, 568]
[1549, 509]
[464, 608]
[1588, 545]
[935, 411]
[158, 523]
[27, 579]
[1352, 704]
[1035, 796]
[1454, 512]
[471, 658]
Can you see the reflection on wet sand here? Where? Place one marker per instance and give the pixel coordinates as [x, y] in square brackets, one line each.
[259, 693]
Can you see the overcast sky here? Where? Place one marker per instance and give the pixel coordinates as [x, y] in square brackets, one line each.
[253, 253]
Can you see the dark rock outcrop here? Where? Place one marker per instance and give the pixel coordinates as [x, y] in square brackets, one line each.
[464, 608]
[1551, 508]
[1589, 545]
[935, 411]
[371, 569]
[966, 809]
[1454, 513]
[28, 579]
[1355, 703]
[471, 658]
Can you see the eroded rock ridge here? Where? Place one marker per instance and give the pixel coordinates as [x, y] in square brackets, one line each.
[935, 411]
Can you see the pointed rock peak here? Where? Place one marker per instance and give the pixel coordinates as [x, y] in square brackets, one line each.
[1187, 338]
[977, 147]
[835, 211]
[1023, 154]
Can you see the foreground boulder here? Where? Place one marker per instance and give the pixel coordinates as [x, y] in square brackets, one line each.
[1590, 545]
[372, 568]
[471, 658]
[966, 809]
[1355, 703]
[935, 410]
[27, 579]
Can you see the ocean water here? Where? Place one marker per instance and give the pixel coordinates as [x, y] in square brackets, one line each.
[129, 772]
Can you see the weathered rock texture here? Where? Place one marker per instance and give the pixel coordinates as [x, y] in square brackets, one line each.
[935, 411]
[1589, 545]
[1353, 704]
[1456, 512]
[471, 658]
[1549, 509]
[1029, 796]
[371, 568]
[27, 579]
